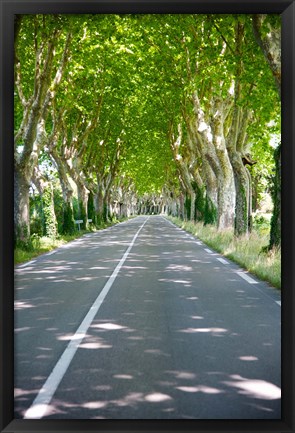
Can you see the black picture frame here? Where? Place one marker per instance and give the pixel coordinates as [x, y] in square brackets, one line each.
[8, 8]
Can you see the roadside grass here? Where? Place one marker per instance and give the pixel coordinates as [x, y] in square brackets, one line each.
[248, 251]
[41, 245]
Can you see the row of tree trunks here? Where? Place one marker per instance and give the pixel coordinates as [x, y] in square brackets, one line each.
[217, 173]
[226, 179]
[32, 132]
[216, 136]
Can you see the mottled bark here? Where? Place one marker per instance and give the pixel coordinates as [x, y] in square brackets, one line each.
[226, 204]
[21, 206]
[82, 204]
[67, 193]
[222, 169]
[211, 184]
[270, 45]
[67, 190]
[211, 143]
[107, 207]
[24, 168]
[207, 192]
[98, 204]
[107, 193]
[236, 143]
[181, 210]
[184, 173]
[242, 184]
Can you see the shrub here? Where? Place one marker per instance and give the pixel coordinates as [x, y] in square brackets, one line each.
[261, 224]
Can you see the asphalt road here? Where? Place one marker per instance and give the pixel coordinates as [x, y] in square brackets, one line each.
[143, 321]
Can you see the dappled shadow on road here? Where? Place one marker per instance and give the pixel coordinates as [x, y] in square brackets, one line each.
[151, 372]
[52, 296]
[167, 342]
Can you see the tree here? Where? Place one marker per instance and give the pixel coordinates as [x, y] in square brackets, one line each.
[158, 110]
[34, 95]
[267, 31]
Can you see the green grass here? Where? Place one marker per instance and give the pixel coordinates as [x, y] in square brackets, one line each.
[42, 245]
[247, 251]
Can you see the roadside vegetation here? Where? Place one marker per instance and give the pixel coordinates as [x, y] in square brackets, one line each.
[249, 251]
[37, 245]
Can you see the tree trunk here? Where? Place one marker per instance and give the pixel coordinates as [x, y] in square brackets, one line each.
[242, 208]
[68, 226]
[255, 182]
[211, 197]
[68, 218]
[107, 207]
[212, 146]
[21, 207]
[98, 205]
[193, 206]
[275, 231]
[226, 204]
[181, 211]
[250, 218]
[90, 208]
[225, 189]
[82, 204]
[270, 45]
[33, 129]
[68, 212]
[23, 172]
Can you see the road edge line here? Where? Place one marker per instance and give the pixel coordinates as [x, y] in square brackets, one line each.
[246, 277]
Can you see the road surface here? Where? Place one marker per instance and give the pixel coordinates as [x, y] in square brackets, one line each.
[144, 321]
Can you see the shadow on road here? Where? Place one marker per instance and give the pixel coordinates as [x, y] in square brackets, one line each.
[178, 336]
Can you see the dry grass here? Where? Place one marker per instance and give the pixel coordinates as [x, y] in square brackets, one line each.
[247, 251]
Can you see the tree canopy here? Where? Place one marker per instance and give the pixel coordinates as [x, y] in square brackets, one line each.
[174, 110]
